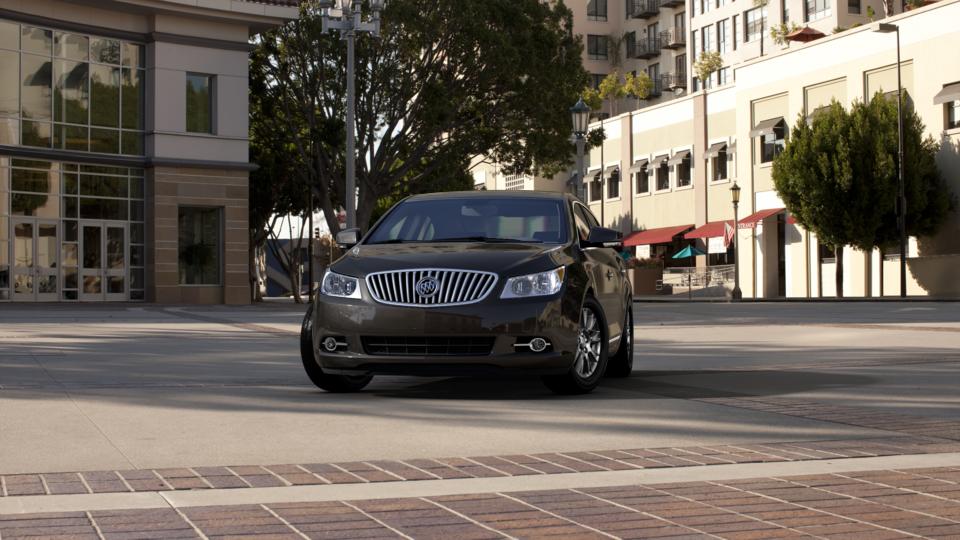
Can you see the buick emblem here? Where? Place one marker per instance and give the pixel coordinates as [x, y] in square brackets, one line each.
[427, 287]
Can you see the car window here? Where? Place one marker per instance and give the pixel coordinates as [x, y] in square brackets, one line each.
[583, 224]
[591, 219]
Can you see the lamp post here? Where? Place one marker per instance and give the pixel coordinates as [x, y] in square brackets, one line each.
[736, 295]
[348, 24]
[580, 113]
[889, 28]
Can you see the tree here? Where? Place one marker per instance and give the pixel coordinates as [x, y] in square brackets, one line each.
[639, 85]
[611, 89]
[779, 32]
[445, 81]
[706, 65]
[837, 176]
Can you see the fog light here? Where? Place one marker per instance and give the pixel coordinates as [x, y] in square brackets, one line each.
[330, 344]
[538, 344]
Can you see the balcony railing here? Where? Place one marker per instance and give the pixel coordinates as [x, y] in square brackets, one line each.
[671, 3]
[657, 89]
[674, 38]
[647, 48]
[644, 9]
[672, 81]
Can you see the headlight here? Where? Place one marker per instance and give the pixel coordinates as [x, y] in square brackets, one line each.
[541, 284]
[335, 284]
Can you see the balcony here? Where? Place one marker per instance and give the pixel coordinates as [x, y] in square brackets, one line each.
[674, 38]
[673, 81]
[671, 3]
[647, 48]
[657, 89]
[644, 9]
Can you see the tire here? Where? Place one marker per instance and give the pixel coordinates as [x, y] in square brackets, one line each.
[337, 384]
[590, 360]
[621, 364]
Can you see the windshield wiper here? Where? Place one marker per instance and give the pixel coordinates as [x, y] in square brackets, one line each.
[487, 239]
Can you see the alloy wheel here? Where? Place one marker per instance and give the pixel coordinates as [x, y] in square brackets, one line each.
[589, 343]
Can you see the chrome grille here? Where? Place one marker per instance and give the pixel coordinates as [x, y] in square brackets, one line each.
[452, 287]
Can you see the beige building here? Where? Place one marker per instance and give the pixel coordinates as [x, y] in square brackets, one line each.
[123, 148]
[664, 173]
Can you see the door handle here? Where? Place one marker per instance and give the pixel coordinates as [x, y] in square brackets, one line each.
[609, 274]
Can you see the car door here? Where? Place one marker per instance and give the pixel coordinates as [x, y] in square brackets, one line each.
[605, 265]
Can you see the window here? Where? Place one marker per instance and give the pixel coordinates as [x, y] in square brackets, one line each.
[723, 76]
[707, 44]
[680, 67]
[199, 103]
[785, 9]
[853, 6]
[718, 165]
[642, 180]
[817, 9]
[596, 188]
[631, 39]
[773, 143]
[679, 26]
[683, 163]
[596, 79]
[200, 233]
[597, 10]
[736, 31]
[694, 45]
[653, 70]
[722, 33]
[596, 47]
[705, 5]
[73, 91]
[580, 220]
[663, 174]
[613, 185]
[755, 21]
[953, 114]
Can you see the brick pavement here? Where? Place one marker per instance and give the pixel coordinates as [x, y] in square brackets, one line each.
[875, 505]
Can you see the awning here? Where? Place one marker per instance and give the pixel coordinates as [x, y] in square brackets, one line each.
[638, 165]
[662, 235]
[714, 150]
[679, 157]
[610, 170]
[766, 127]
[658, 161]
[750, 222]
[710, 230]
[950, 92]
[733, 147]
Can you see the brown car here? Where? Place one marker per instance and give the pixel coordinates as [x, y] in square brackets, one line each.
[474, 282]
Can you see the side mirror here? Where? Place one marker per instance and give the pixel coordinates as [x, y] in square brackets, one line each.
[348, 238]
[603, 237]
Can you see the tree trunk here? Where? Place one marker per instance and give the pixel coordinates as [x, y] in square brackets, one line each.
[838, 253]
[296, 280]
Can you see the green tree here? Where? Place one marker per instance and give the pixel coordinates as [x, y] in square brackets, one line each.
[706, 65]
[612, 89]
[639, 85]
[838, 176]
[445, 81]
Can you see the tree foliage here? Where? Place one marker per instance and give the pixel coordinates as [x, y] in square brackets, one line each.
[838, 176]
[445, 81]
[708, 63]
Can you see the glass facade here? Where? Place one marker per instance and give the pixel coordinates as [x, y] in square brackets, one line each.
[67, 91]
[71, 231]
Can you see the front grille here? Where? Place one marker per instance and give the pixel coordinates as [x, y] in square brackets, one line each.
[450, 287]
[427, 346]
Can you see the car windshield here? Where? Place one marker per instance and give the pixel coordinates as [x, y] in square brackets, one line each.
[474, 219]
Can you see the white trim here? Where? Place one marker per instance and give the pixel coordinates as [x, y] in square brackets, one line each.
[674, 175]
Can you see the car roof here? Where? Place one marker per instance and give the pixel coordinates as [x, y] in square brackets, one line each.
[490, 195]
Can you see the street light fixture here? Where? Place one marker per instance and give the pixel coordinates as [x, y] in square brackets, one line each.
[580, 114]
[736, 295]
[889, 28]
[349, 23]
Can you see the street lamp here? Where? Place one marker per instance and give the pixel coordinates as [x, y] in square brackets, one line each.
[348, 24]
[888, 28]
[580, 114]
[736, 295]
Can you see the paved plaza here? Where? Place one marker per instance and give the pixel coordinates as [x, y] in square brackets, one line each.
[756, 420]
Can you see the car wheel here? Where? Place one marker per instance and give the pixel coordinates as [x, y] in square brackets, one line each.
[325, 381]
[621, 364]
[590, 360]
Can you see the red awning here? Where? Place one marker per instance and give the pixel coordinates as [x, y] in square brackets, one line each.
[710, 230]
[750, 222]
[662, 235]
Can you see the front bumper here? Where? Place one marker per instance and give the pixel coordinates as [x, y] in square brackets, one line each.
[507, 321]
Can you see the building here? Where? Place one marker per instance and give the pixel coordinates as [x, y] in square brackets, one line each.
[664, 173]
[123, 149]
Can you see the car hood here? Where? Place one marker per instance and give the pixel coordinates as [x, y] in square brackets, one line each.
[504, 259]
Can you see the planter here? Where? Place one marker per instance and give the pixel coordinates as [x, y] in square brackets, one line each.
[644, 280]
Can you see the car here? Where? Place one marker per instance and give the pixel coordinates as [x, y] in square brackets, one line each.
[462, 283]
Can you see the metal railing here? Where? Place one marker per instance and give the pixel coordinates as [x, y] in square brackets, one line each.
[647, 48]
[644, 9]
[707, 281]
[671, 81]
[673, 38]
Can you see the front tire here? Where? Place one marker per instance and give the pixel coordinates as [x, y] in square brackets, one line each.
[331, 383]
[590, 361]
[621, 364]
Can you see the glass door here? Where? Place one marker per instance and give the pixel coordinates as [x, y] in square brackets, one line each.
[35, 264]
[103, 262]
